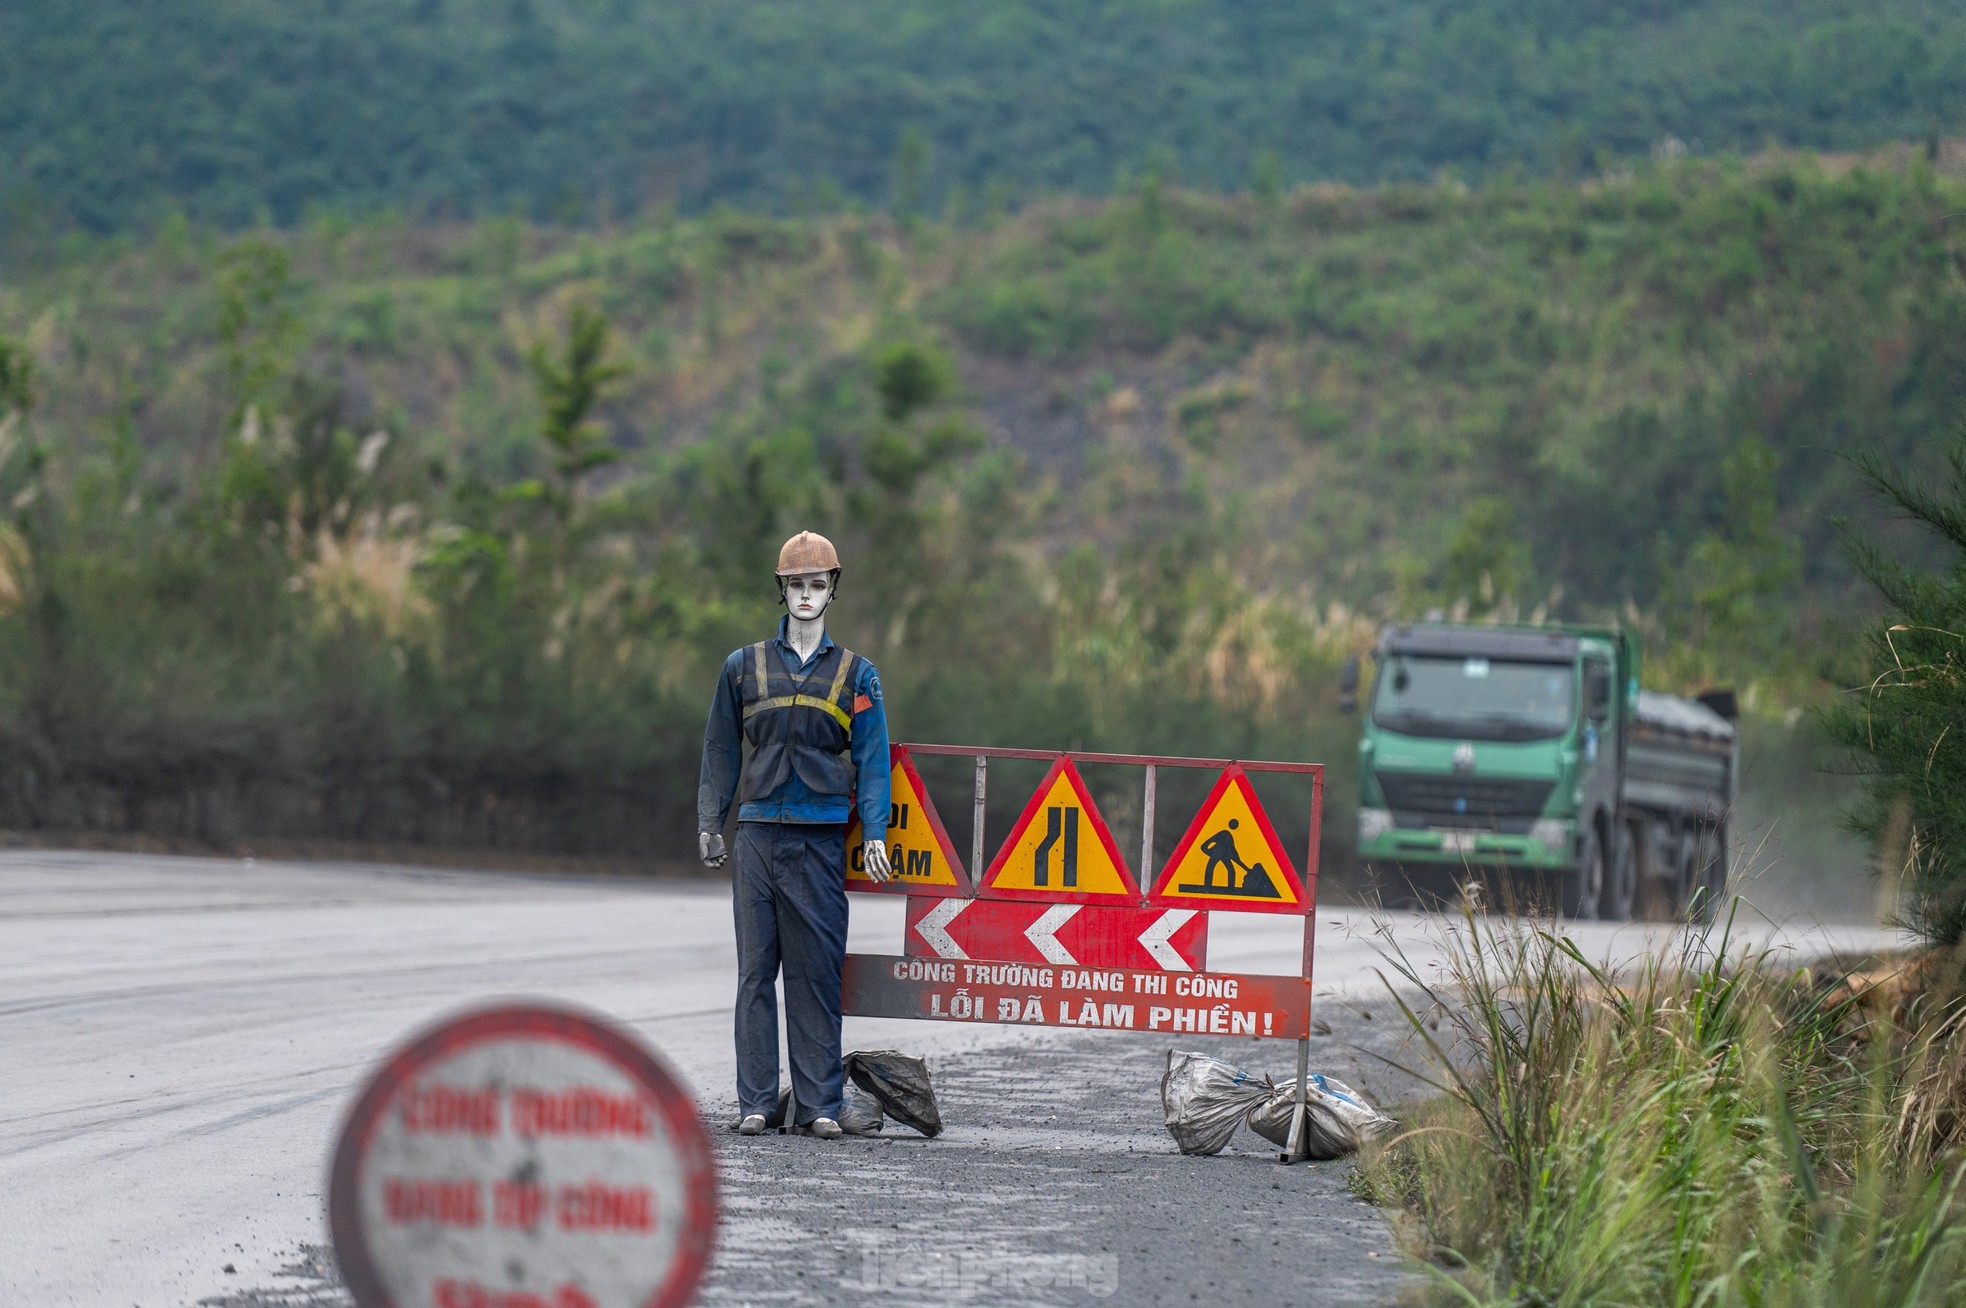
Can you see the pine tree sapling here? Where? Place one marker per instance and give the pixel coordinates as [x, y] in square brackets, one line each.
[1908, 722]
[569, 387]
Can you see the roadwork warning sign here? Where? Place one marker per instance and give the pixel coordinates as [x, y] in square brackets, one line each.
[918, 848]
[524, 1157]
[1230, 856]
[1060, 849]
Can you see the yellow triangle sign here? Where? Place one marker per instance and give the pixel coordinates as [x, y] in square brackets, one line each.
[918, 848]
[1060, 849]
[1230, 857]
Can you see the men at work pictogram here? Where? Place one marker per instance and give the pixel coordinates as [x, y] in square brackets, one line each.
[1222, 853]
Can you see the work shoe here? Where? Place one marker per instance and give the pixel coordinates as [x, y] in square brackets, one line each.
[825, 1128]
[753, 1124]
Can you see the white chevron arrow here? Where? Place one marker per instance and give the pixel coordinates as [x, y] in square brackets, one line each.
[1154, 939]
[934, 927]
[1043, 933]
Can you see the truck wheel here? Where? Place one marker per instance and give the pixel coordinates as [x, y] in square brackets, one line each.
[1709, 878]
[1686, 874]
[1661, 874]
[1585, 882]
[1620, 879]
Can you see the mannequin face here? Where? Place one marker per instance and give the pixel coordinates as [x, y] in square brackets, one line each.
[807, 594]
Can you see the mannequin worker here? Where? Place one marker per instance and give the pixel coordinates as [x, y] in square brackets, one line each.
[812, 711]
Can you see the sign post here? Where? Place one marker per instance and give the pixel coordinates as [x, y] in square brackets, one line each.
[1056, 930]
[523, 1157]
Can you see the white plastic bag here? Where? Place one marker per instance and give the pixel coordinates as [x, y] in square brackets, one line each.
[1337, 1120]
[860, 1113]
[1205, 1099]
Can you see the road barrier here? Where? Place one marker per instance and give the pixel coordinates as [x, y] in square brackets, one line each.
[1057, 929]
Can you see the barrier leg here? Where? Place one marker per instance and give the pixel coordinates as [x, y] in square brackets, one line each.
[1300, 1118]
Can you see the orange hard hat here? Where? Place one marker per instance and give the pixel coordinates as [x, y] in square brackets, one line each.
[807, 552]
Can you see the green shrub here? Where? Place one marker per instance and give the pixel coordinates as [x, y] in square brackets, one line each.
[1027, 316]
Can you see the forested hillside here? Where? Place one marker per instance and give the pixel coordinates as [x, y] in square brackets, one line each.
[316, 532]
[116, 115]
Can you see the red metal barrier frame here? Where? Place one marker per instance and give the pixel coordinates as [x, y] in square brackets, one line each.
[878, 985]
[1135, 760]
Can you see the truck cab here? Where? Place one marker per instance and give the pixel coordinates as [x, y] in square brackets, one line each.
[1500, 756]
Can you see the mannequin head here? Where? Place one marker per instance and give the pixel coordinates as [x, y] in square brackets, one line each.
[806, 595]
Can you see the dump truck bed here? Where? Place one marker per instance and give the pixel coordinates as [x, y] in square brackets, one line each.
[1679, 758]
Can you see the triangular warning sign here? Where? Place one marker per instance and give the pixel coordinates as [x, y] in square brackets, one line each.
[1230, 857]
[1060, 849]
[918, 849]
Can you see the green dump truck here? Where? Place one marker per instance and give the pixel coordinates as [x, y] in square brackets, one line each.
[1526, 761]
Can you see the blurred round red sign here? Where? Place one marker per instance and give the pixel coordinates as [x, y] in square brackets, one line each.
[523, 1157]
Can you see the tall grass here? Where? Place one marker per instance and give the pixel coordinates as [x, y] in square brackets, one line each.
[1711, 1131]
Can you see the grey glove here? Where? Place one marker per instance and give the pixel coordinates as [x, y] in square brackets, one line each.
[710, 848]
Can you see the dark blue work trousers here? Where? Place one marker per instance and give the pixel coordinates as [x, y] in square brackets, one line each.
[789, 897]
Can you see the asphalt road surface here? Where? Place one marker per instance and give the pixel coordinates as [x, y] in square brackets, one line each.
[178, 1039]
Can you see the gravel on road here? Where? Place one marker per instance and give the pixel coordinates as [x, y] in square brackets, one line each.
[1055, 1183]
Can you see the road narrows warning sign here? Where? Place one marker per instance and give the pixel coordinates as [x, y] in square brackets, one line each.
[1230, 857]
[523, 1155]
[1060, 849]
[918, 848]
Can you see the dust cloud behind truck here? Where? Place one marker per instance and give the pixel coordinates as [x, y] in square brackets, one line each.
[1527, 760]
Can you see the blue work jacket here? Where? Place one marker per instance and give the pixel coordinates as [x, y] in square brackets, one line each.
[793, 800]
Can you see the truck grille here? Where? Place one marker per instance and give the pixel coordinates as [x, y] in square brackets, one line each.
[1507, 805]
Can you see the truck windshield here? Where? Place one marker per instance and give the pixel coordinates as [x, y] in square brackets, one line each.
[1474, 698]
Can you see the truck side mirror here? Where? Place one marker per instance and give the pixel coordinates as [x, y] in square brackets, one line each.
[1348, 685]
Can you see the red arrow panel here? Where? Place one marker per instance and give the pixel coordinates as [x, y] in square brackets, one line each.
[1105, 999]
[1066, 935]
